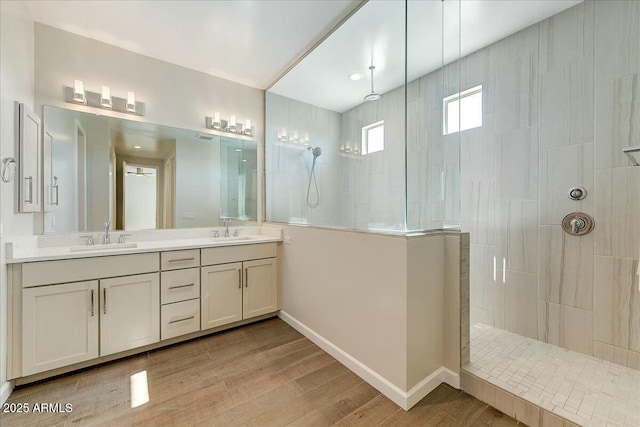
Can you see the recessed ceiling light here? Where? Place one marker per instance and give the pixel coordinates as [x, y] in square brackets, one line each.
[137, 147]
[239, 150]
[355, 77]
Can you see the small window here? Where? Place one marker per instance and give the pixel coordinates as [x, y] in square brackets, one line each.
[462, 111]
[373, 138]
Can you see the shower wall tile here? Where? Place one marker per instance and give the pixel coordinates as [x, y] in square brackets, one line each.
[566, 268]
[617, 302]
[561, 169]
[517, 235]
[566, 104]
[617, 195]
[514, 311]
[517, 94]
[479, 68]
[566, 327]
[517, 164]
[610, 353]
[483, 276]
[617, 120]
[478, 151]
[617, 39]
[477, 203]
[480, 315]
[567, 37]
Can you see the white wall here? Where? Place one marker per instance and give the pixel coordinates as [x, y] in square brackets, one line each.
[16, 84]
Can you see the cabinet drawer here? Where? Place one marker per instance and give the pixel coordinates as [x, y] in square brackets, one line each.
[75, 270]
[180, 318]
[180, 259]
[179, 285]
[238, 253]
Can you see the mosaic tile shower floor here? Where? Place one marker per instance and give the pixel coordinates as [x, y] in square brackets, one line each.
[580, 388]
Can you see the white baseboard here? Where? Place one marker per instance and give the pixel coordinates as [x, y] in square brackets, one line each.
[401, 398]
[5, 391]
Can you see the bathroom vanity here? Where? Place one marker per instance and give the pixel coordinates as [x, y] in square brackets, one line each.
[73, 308]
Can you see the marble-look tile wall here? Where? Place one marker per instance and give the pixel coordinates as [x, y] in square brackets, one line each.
[288, 165]
[561, 100]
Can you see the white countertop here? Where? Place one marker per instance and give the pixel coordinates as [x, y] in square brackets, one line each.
[30, 251]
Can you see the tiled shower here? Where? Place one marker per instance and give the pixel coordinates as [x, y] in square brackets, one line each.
[565, 104]
[560, 102]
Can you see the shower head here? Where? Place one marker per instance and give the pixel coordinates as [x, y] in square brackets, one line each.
[373, 96]
[317, 151]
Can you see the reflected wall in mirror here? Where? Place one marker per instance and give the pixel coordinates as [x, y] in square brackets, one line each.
[141, 175]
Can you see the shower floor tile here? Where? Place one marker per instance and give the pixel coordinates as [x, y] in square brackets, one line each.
[580, 388]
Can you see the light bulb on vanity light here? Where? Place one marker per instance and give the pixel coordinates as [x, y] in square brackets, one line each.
[131, 102]
[105, 98]
[78, 92]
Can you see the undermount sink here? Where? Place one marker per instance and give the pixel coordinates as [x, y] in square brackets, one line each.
[233, 238]
[101, 247]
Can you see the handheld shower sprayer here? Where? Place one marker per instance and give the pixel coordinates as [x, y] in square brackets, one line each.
[316, 151]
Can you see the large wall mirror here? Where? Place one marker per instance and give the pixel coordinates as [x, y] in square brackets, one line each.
[142, 176]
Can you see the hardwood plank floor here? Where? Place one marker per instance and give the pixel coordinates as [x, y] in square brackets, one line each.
[263, 374]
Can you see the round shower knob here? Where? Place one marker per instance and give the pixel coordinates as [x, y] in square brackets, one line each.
[577, 193]
[578, 224]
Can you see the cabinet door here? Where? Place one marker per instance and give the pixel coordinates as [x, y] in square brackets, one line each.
[129, 312]
[221, 297]
[260, 288]
[60, 326]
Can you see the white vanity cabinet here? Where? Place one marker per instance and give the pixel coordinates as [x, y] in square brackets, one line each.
[71, 313]
[129, 312]
[59, 325]
[240, 290]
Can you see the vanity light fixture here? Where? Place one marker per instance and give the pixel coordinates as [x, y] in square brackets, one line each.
[231, 125]
[105, 98]
[78, 92]
[355, 77]
[131, 102]
[137, 147]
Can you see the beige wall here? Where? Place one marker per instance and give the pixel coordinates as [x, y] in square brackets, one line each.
[16, 84]
[387, 302]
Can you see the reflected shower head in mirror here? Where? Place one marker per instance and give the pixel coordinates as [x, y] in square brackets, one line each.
[317, 151]
[373, 96]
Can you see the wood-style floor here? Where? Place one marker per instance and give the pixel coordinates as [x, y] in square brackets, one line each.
[264, 374]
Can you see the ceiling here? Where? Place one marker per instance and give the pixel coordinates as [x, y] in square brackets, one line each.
[246, 41]
[375, 34]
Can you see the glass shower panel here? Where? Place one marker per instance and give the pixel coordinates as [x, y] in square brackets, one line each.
[433, 153]
[326, 163]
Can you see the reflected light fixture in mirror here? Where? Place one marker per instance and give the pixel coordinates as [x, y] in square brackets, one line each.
[231, 125]
[78, 92]
[131, 102]
[105, 98]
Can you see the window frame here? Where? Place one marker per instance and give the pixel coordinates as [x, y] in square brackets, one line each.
[458, 97]
[364, 149]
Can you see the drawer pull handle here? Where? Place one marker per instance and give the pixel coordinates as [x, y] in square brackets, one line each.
[182, 259]
[182, 286]
[182, 320]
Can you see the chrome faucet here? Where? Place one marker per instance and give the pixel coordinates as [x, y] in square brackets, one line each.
[107, 237]
[226, 222]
